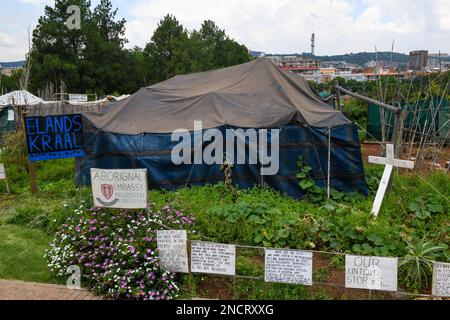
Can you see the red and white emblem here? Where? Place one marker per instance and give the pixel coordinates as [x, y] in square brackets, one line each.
[107, 190]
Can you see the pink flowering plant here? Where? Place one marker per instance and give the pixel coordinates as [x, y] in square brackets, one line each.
[117, 251]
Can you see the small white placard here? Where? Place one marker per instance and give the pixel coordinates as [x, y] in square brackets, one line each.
[122, 188]
[78, 97]
[441, 279]
[2, 172]
[374, 273]
[10, 115]
[215, 258]
[172, 247]
[288, 266]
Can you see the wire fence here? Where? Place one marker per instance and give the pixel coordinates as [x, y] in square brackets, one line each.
[315, 253]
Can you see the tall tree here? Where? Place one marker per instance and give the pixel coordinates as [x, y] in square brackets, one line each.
[102, 68]
[217, 49]
[167, 50]
[10, 83]
[173, 50]
[57, 49]
[90, 59]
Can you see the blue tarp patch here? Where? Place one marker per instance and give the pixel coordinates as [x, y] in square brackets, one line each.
[153, 151]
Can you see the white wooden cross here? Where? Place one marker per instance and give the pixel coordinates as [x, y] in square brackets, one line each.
[390, 163]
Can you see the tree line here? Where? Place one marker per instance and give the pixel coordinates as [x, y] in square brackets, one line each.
[93, 58]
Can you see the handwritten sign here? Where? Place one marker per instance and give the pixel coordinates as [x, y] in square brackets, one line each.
[2, 172]
[288, 266]
[173, 250]
[375, 273]
[54, 137]
[78, 97]
[119, 188]
[213, 258]
[441, 279]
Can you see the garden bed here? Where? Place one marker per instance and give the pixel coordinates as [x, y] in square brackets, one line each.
[261, 217]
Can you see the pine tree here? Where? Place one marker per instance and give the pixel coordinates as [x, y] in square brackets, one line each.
[57, 50]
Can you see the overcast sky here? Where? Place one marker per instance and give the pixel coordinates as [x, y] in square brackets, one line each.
[272, 26]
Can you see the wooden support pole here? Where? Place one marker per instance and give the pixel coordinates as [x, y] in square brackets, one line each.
[235, 296]
[338, 100]
[329, 164]
[189, 249]
[369, 100]
[7, 185]
[396, 135]
[31, 166]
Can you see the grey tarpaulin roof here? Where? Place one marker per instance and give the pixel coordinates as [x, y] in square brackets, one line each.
[256, 94]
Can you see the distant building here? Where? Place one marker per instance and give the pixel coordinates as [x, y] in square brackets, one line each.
[7, 71]
[442, 55]
[256, 54]
[418, 60]
[294, 61]
[309, 73]
[376, 73]
[435, 60]
[338, 64]
[371, 64]
[382, 64]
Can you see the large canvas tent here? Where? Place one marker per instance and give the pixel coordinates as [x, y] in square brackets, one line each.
[136, 132]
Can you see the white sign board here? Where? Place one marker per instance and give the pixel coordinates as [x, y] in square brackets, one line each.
[78, 97]
[172, 247]
[288, 266]
[122, 188]
[441, 279]
[2, 172]
[213, 258]
[375, 273]
[10, 115]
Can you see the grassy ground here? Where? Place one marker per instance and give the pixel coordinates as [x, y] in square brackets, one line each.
[261, 217]
[22, 254]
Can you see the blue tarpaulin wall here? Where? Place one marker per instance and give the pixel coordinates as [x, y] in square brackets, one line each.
[153, 151]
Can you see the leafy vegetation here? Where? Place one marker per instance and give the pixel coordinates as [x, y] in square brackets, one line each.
[117, 252]
[411, 212]
[417, 263]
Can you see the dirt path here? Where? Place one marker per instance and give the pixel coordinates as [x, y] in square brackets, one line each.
[374, 149]
[20, 290]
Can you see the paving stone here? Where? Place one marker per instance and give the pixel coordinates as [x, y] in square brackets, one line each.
[20, 290]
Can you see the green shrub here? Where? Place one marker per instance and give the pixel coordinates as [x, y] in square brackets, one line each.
[116, 251]
[417, 264]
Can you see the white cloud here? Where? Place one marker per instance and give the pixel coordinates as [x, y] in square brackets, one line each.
[38, 2]
[6, 41]
[11, 48]
[276, 26]
[286, 25]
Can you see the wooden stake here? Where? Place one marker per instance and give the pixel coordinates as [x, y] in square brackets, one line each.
[329, 162]
[33, 183]
[234, 288]
[7, 185]
[189, 248]
[31, 166]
